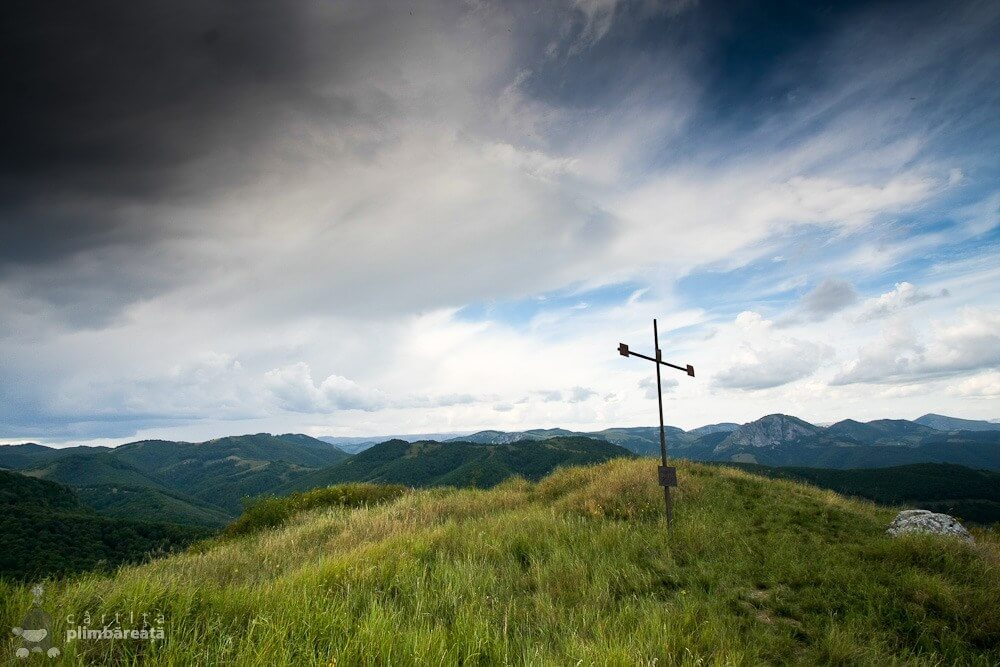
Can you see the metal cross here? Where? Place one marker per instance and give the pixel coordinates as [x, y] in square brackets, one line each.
[668, 474]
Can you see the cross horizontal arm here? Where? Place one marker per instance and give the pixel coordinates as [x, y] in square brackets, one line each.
[627, 352]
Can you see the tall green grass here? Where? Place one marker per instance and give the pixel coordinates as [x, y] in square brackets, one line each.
[577, 569]
[265, 512]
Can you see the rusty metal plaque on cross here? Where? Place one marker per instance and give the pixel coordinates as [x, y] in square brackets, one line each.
[668, 476]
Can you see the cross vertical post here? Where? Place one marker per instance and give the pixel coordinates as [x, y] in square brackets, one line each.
[663, 435]
[667, 474]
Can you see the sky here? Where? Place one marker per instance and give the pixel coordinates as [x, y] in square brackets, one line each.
[370, 217]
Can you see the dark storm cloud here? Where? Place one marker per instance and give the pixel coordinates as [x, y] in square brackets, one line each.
[126, 124]
[107, 102]
[113, 103]
[131, 123]
[116, 103]
[110, 96]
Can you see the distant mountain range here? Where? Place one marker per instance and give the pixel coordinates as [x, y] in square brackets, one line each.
[784, 440]
[355, 444]
[205, 483]
[942, 423]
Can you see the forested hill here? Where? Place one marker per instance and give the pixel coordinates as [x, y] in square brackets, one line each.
[198, 483]
[971, 495]
[459, 463]
[44, 531]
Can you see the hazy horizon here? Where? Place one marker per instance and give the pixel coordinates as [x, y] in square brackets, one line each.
[373, 436]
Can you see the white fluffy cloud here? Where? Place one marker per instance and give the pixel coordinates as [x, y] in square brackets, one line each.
[972, 342]
[902, 296]
[767, 359]
[983, 385]
[293, 389]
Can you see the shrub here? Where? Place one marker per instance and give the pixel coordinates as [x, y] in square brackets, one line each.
[270, 511]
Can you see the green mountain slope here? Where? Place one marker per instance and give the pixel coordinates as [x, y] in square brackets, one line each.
[722, 427]
[31, 455]
[225, 471]
[971, 495]
[88, 470]
[151, 504]
[459, 463]
[17, 491]
[114, 488]
[785, 440]
[576, 569]
[153, 456]
[44, 531]
[943, 423]
[201, 483]
[882, 431]
[644, 440]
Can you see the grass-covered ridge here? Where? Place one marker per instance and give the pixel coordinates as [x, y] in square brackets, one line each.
[265, 512]
[577, 567]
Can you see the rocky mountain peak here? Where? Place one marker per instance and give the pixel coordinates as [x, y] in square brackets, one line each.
[768, 431]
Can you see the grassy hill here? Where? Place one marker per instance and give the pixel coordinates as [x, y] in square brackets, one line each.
[575, 569]
[459, 463]
[44, 531]
[971, 495]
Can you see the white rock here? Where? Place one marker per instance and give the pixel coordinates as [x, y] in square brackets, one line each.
[923, 521]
